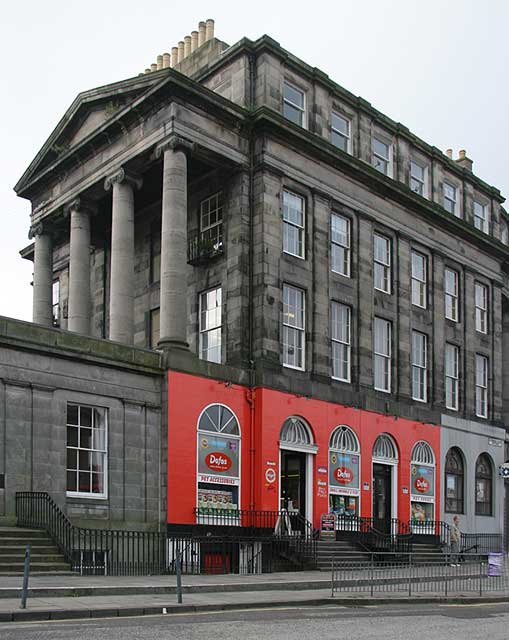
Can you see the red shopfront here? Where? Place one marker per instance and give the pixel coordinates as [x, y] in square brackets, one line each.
[296, 453]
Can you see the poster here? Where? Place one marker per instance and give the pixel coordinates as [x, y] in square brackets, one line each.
[344, 471]
[218, 455]
[215, 499]
[422, 480]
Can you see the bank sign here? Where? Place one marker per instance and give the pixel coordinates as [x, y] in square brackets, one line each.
[422, 482]
[218, 456]
[343, 473]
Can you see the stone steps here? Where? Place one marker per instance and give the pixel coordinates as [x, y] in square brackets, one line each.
[45, 557]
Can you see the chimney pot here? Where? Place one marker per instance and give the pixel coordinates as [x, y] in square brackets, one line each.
[159, 62]
[174, 56]
[194, 40]
[147, 70]
[449, 153]
[462, 154]
[166, 60]
[181, 51]
[187, 46]
[202, 27]
[153, 67]
[209, 32]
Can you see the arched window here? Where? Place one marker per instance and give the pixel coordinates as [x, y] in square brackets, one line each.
[344, 439]
[484, 486]
[295, 432]
[219, 419]
[384, 448]
[454, 481]
[422, 453]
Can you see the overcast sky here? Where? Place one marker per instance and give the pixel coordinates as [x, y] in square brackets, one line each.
[440, 67]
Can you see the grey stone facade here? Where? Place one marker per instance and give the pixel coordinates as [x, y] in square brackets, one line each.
[227, 105]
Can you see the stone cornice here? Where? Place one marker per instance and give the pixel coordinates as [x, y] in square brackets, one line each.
[174, 143]
[123, 176]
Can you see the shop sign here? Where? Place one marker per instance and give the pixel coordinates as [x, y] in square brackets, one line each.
[218, 455]
[270, 475]
[365, 486]
[270, 463]
[321, 470]
[327, 526]
[423, 480]
[203, 477]
[344, 470]
[405, 489]
[321, 483]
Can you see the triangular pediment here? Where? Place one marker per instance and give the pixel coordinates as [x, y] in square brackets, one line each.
[87, 114]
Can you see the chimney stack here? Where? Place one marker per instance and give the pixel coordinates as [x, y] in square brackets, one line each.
[464, 161]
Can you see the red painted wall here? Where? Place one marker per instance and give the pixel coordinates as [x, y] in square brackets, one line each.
[189, 395]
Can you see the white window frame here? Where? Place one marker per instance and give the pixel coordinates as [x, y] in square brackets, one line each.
[481, 217]
[341, 243]
[93, 450]
[289, 224]
[341, 134]
[377, 157]
[419, 284]
[481, 386]
[452, 296]
[55, 303]
[302, 108]
[451, 376]
[341, 341]
[381, 265]
[423, 182]
[212, 232]
[419, 366]
[295, 328]
[453, 200]
[481, 307]
[205, 329]
[382, 356]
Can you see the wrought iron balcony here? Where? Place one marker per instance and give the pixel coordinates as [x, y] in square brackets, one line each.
[201, 247]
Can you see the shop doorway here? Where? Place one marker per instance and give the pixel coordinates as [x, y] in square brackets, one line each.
[293, 482]
[382, 497]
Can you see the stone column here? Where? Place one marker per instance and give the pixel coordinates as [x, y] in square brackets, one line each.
[79, 267]
[173, 306]
[43, 275]
[122, 255]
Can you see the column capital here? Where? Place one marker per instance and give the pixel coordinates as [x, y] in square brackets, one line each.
[174, 143]
[123, 176]
[36, 230]
[79, 204]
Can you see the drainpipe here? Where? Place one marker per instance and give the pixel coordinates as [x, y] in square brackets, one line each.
[251, 391]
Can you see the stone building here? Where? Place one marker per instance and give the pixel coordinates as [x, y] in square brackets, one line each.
[325, 296]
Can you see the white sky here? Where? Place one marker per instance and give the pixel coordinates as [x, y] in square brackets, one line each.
[440, 67]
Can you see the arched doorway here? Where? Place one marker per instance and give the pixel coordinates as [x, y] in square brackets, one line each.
[385, 483]
[296, 467]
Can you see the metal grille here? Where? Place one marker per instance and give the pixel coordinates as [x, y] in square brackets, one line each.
[344, 439]
[384, 448]
[422, 453]
[295, 431]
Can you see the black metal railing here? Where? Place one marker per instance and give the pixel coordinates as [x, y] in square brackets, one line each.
[93, 551]
[201, 247]
[481, 543]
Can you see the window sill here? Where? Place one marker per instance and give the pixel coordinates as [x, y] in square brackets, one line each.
[293, 255]
[86, 496]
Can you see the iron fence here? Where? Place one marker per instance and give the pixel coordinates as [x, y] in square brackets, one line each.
[481, 542]
[410, 574]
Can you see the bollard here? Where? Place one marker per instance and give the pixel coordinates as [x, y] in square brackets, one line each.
[179, 577]
[26, 572]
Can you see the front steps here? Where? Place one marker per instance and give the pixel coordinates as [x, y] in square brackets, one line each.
[45, 558]
[344, 551]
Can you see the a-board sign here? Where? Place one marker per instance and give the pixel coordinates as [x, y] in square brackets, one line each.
[327, 526]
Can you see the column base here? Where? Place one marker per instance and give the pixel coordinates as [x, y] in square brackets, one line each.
[167, 344]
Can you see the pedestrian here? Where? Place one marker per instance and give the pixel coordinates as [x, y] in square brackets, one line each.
[455, 541]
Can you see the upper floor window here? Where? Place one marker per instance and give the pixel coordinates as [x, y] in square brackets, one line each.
[483, 486]
[340, 132]
[451, 295]
[382, 160]
[382, 354]
[481, 386]
[450, 198]
[382, 263]
[211, 220]
[293, 224]
[418, 176]
[293, 327]
[451, 376]
[504, 233]
[55, 293]
[294, 107]
[419, 268]
[341, 343]
[86, 451]
[481, 221]
[210, 325]
[340, 245]
[419, 366]
[481, 308]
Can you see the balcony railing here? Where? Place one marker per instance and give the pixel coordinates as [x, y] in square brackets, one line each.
[201, 247]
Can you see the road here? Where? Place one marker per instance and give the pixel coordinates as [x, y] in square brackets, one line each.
[381, 622]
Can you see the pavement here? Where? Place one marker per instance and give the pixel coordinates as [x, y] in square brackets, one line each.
[78, 597]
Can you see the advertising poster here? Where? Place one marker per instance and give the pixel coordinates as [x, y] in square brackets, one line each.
[214, 499]
[343, 473]
[218, 456]
[422, 482]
